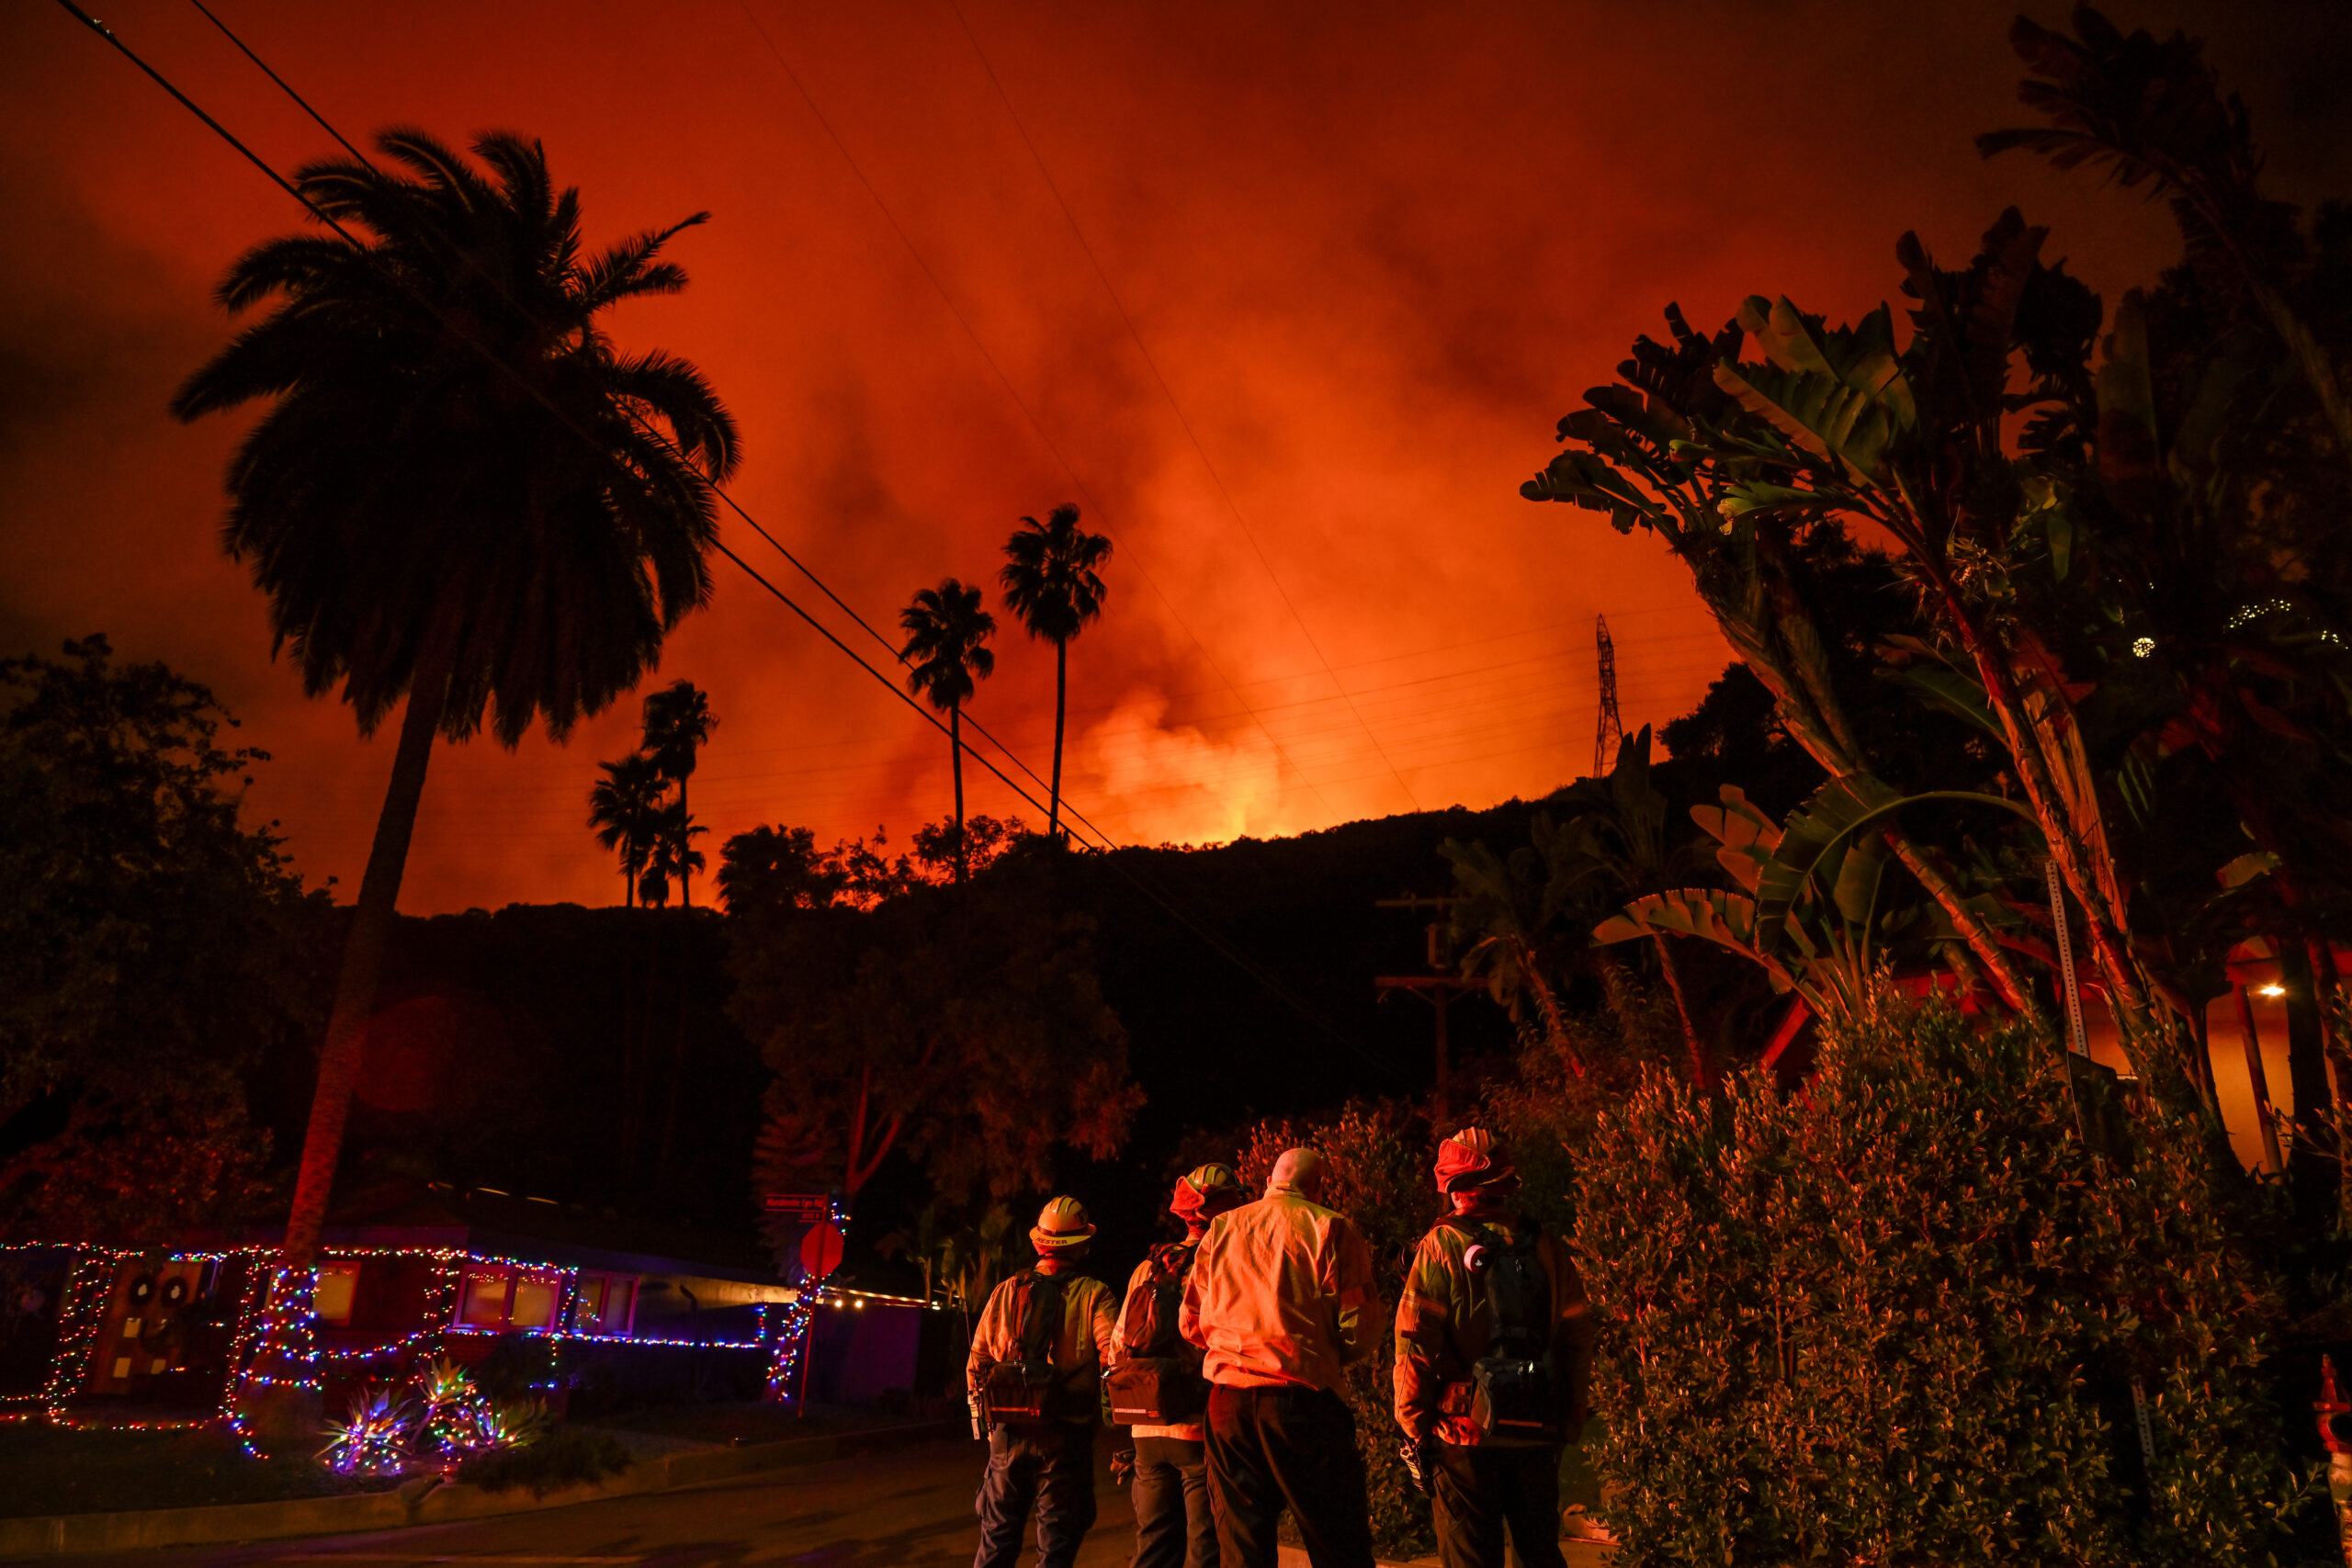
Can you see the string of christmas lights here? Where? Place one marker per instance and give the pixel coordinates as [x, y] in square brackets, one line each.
[799, 1318]
[276, 1325]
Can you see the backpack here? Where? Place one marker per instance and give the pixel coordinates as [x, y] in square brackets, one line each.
[1515, 1389]
[1024, 1391]
[1155, 1382]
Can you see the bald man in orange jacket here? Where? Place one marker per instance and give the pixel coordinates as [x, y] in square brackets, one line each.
[1281, 1298]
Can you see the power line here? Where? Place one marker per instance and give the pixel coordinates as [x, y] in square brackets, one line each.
[1239, 960]
[1166, 391]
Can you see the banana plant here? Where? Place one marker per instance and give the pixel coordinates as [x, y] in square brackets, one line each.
[1814, 905]
[1647, 453]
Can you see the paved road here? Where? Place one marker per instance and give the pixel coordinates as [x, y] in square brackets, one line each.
[911, 1509]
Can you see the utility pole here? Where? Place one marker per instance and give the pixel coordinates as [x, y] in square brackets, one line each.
[1608, 734]
[1438, 987]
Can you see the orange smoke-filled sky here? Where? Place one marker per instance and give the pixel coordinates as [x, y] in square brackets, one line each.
[1370, 254]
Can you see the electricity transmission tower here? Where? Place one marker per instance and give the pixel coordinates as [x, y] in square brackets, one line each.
[1611, 732]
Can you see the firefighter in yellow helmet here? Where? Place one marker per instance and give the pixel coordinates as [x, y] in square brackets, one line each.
[1493, 1347]
[1036, 1376]
[1156, 1387]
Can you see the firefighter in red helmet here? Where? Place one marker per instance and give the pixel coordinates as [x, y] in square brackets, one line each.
[1493, 1353]
[1036, 1380]
[1157, 1388]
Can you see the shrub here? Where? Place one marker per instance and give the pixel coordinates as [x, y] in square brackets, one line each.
[1897, 1318]
[566, 1455]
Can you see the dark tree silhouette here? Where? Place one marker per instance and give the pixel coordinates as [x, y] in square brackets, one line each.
[1051, 585]
[156, 949]
[463, 494]
[621, 807]
[947, 636]
[671, 855]
[678, 721]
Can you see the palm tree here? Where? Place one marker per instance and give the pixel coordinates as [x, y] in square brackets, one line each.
[946, 630]
[621, 807]
[1614, 846]
[462, 495]
[678, 721]
[1050, 583]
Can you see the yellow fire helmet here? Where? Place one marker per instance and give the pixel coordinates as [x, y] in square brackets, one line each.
[1062, 1224]
[1207, 1191]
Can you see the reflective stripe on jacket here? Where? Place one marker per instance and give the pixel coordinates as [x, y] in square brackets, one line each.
[1444, 1323]
[1278, 1294]
[1082, 1348]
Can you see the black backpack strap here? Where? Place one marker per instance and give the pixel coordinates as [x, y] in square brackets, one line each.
[1041, 1318]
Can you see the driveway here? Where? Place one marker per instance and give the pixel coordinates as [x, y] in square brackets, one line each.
[908, 1509]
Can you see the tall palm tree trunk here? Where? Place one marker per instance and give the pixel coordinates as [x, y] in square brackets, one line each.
[686, 872]
[1061, 710]
[363, 964]
[955, 745]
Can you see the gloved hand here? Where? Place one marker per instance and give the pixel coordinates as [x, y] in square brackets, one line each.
[1122, 1466]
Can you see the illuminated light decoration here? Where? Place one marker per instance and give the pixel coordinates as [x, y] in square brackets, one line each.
[268, 1322]
[370, 1442]
[80, 1318]
[2143, 646]
[2272, 989]
[796, 1320]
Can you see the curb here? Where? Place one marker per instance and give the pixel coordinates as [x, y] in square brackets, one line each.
[421, 1502]
[1580, 1554]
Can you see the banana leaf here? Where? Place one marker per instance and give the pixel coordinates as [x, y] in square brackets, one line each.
[1819, 828]
[1727, 920]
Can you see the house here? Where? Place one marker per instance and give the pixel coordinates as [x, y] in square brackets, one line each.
[585, 1307]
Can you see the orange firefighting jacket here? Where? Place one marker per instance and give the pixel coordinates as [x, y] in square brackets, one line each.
[1082, 1348]
[1278, 1292]
[1444, 1323]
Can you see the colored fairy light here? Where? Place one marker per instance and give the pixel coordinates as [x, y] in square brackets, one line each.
[274, 1325]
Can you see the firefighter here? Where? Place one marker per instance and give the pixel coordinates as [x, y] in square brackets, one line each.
[1280, 1299]
[1159, 1373]
[1036, 1380]
[1493, 1351]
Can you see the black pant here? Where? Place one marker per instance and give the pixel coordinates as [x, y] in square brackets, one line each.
[1051, 1467]
[1481, 1489]
[1175, 1525]
[1272, 1448]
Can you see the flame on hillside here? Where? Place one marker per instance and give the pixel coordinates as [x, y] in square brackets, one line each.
[1156, 783]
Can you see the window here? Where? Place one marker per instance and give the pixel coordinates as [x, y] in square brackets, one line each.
[620, 1295]
[483, 1304]
[602, 1303]
[338, 1283]
[534, 1299]
[588, 1304]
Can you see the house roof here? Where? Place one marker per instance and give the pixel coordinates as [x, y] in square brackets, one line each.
[540, 1230]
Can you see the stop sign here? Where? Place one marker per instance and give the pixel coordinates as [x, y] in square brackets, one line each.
[820, 1250]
